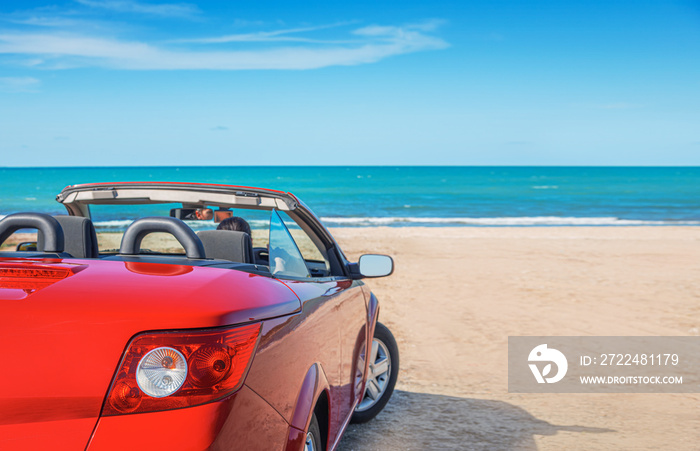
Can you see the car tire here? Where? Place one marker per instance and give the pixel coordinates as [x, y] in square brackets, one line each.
[382, 374]
[313, 436]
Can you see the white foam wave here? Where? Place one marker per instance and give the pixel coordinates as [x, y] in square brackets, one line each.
[514, 221]
[122, 224]
[114, 224]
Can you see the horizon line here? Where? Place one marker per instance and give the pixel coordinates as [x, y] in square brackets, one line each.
[363, 166]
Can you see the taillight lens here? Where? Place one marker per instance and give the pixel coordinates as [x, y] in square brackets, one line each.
[161, 372]
[171, 370]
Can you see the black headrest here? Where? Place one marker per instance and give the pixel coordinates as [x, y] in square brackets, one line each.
[135, 233]
[229, 245]
[46, 225]
[79, 234]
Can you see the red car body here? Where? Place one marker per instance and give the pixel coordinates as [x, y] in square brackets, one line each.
[66, 325]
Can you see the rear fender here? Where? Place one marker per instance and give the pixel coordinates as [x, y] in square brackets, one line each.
[314, 384]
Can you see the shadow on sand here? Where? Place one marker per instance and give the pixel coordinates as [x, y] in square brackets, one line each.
[420, 421]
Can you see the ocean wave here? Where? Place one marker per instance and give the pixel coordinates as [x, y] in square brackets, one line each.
[114, 224]
[503, 221]
[122, 224]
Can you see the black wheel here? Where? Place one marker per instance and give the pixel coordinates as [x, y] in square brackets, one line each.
[381, 375]
[313, 436]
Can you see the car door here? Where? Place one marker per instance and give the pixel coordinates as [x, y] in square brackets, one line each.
[338, 305]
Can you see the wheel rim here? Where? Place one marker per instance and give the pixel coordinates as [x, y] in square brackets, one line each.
[309, 445]
[378, 375]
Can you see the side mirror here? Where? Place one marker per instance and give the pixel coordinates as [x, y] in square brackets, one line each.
[374, 265]
[27, 246]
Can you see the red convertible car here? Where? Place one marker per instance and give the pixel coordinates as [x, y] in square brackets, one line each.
[190, 330]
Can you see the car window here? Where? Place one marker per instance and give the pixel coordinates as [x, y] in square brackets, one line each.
[306, 246]
[285, 258]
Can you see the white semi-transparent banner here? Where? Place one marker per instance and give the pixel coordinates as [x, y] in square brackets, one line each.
[604, 364]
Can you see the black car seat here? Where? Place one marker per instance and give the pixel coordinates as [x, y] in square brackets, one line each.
[228, 245]
[79, 236]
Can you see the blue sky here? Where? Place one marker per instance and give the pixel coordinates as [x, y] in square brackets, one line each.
[136, 82]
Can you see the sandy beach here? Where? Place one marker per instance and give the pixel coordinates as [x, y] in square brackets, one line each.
[458, 293]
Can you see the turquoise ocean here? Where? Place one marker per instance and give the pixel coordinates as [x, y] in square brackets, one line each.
[412, 196]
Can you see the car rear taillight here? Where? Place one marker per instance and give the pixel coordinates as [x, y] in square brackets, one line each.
[31, 278]
[34, 272]
[172, 370]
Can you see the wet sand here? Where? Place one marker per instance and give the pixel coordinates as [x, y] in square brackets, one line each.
[458, 293]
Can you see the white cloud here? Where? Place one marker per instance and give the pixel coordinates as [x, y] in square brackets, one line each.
[380, 30]
[46, 21]
[130, 6]
[376, 30]
[270, 36]
[19, 84]
[62, 50]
